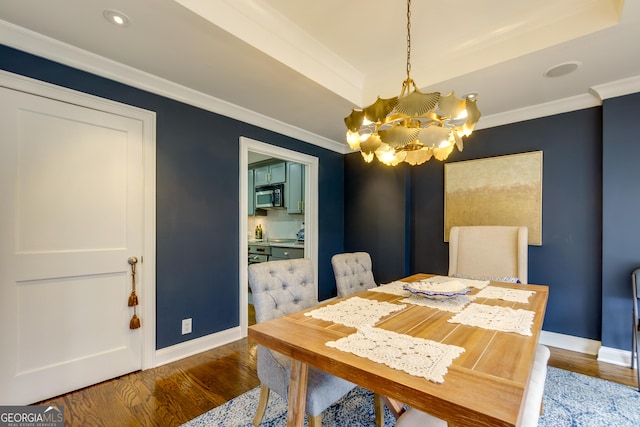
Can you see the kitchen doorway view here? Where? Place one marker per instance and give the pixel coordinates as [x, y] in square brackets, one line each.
[278, 211]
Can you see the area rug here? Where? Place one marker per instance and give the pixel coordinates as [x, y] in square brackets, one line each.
[570, 399]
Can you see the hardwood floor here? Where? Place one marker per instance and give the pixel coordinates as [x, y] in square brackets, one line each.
[168, 395]
[175, 393]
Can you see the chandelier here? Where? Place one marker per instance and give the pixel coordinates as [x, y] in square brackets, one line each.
[412, 127]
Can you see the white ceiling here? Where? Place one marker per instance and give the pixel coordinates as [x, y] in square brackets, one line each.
[299, 66]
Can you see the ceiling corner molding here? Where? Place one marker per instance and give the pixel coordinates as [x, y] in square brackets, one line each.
[560, 106]
[617, 88]
[54, 50]
[262, 27]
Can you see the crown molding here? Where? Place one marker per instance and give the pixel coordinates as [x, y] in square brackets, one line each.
[617, 88]
[574, 103]
[37, 44]
[597, 94]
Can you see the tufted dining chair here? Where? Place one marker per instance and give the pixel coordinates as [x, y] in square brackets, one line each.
[353, 273]
[488, 251]
[280, 288]
[635, 331]
[492, 253]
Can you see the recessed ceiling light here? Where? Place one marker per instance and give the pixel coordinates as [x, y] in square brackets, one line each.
[116, 17]
[471, 95]
[562, 69]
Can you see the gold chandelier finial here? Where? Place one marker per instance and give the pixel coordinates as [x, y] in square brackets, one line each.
[414, 126]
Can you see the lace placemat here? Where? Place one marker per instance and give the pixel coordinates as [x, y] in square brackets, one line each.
[496, 318]
[471, 283]
[452, 305]
[393, 288]
[355, 312]
[513, 295]
[415, 356]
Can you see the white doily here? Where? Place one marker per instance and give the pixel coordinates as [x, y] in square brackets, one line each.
[393, 288]
[355, 312]
[471, 283]
[496, 318]
[513, 295]
[452, 305]
[415, 356]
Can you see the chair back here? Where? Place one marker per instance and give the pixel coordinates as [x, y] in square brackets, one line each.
[282, 287]
[489, 252]
[353, 273]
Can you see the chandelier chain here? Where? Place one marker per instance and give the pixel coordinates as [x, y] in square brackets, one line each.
[408, 38]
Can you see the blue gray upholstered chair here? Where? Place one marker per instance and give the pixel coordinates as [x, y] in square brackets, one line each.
[280, 288]
[635, 331]
[353, 273]
[492, 253]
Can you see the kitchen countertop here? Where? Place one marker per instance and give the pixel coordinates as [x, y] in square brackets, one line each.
[290, 244]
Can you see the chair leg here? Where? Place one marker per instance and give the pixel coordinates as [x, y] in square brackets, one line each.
[315, 421]
[637, 357]
[262, 405]
[634, 337]
[395, 406]
[378, 406]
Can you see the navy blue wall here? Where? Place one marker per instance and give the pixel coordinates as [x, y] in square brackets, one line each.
[621, 217]
[377, 199]
[569, 258]
[198, 202]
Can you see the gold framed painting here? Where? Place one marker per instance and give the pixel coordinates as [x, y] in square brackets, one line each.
[503, 190]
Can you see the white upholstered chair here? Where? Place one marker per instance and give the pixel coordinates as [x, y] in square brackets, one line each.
[530, 410]
[497, 253]
[280, 288]
[488, 252]
[353, 273]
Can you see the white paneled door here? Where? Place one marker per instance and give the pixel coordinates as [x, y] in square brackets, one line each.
[71, 214]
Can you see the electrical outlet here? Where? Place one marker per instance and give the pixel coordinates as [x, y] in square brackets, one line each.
[186, 326]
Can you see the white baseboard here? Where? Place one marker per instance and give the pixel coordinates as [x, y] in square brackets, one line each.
[195, 346]
[569, 342]
[582, 345]
[614, 356]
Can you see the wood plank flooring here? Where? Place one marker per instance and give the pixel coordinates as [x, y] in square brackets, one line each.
[175, 393]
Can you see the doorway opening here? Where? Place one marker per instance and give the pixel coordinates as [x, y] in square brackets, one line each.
[309, 217]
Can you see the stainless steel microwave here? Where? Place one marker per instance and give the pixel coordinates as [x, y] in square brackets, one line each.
[270, 197]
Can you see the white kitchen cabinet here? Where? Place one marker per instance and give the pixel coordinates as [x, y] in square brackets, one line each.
[270, 174]
[294, 197]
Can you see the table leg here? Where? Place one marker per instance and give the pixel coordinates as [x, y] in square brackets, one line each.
[297, 393]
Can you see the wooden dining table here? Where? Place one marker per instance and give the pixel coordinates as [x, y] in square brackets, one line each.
[484, 386]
